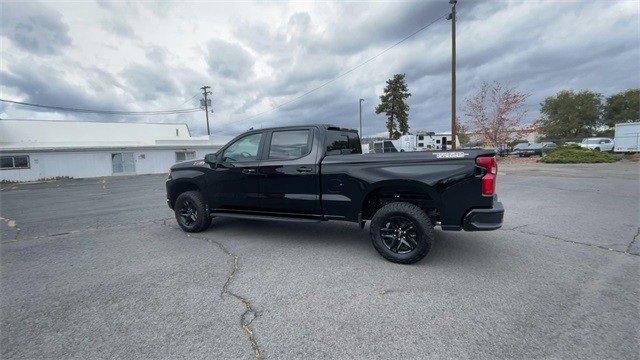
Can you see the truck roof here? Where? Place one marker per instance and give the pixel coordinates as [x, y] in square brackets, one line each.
[323, 126]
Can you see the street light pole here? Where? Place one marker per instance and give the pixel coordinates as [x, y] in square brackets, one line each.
[360, 103]
[452, 17]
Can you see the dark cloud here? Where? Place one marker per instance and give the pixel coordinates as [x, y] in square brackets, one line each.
[229, 60]
[34, 27]
[361, 25]
[270, 59]
[101, 81]
[42, 84]
[148, 82]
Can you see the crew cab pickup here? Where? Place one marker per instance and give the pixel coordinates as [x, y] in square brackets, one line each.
[318, 173]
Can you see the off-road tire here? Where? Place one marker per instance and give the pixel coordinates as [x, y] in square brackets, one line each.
[202, 219]
[424, 231]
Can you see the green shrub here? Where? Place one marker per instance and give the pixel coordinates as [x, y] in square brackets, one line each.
[571, 146]
[572, 155]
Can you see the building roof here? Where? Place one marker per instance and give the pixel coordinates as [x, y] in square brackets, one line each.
[78, 135]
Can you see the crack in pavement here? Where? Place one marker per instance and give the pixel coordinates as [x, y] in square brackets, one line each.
[633, 241]
[250, 313]
[517, 229]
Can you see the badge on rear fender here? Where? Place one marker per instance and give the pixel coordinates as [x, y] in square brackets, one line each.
[451, 155]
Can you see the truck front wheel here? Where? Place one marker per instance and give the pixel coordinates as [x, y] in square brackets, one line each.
[401, 232]
[191, 212]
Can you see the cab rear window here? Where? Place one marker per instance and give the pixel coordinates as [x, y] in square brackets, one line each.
[342, 142]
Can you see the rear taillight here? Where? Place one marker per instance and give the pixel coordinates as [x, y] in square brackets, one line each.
[489, 178]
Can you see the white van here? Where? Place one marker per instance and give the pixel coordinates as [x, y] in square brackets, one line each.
[627, 137]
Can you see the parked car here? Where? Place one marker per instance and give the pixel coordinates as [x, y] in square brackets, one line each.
[599, 144]
[318, 173]
[517, 149]
[537, 149]
[502, 152]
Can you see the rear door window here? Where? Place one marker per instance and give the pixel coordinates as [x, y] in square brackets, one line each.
[290, 144]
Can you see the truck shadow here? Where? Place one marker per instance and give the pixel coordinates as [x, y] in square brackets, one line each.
[457, 248]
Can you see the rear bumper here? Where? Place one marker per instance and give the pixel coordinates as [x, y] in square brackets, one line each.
[484, 219]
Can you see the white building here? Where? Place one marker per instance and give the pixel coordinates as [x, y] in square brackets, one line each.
[33, 150]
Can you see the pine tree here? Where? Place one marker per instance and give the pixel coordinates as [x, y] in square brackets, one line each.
[392, 103]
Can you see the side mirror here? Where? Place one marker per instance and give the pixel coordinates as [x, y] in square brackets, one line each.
[211, 159]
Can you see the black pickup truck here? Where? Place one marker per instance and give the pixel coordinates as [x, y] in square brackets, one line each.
[318, 172]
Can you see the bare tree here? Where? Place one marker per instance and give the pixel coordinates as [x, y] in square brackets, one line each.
[495, 112]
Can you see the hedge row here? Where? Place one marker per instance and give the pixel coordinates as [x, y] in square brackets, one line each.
[577, 155]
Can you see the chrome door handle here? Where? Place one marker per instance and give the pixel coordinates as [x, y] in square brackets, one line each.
[249, 171]
[304, 169]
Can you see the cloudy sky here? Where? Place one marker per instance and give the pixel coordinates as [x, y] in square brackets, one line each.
[256, 56]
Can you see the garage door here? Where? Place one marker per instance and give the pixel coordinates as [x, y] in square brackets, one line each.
[123, 163]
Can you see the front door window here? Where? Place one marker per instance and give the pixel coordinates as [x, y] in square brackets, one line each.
[244, 149]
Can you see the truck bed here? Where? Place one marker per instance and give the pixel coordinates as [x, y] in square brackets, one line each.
[447, 181]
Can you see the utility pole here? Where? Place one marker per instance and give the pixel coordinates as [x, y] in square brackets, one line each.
[360, 103]
[452, 17]
[205, 92]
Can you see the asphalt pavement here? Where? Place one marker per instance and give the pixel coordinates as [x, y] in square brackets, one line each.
[97, 268]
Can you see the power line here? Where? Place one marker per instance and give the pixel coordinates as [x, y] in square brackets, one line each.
[104, 112]
[348, 71]
[189, 99]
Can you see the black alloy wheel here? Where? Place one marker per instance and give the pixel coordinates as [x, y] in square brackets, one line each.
[192, 212]
[399, 234]
[188, 213]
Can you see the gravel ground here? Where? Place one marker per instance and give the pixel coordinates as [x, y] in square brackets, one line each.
[98, 268]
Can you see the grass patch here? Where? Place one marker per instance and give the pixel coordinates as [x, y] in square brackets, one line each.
[578, 155]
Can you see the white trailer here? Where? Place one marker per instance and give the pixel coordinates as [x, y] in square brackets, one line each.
[422, 142]
[429, 141]
[627, 137]
[404, 143]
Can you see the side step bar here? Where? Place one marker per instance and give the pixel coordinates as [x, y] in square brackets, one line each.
[265, 217]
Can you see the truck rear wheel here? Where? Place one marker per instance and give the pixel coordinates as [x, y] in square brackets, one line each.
[191, 212]
[401, 232]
